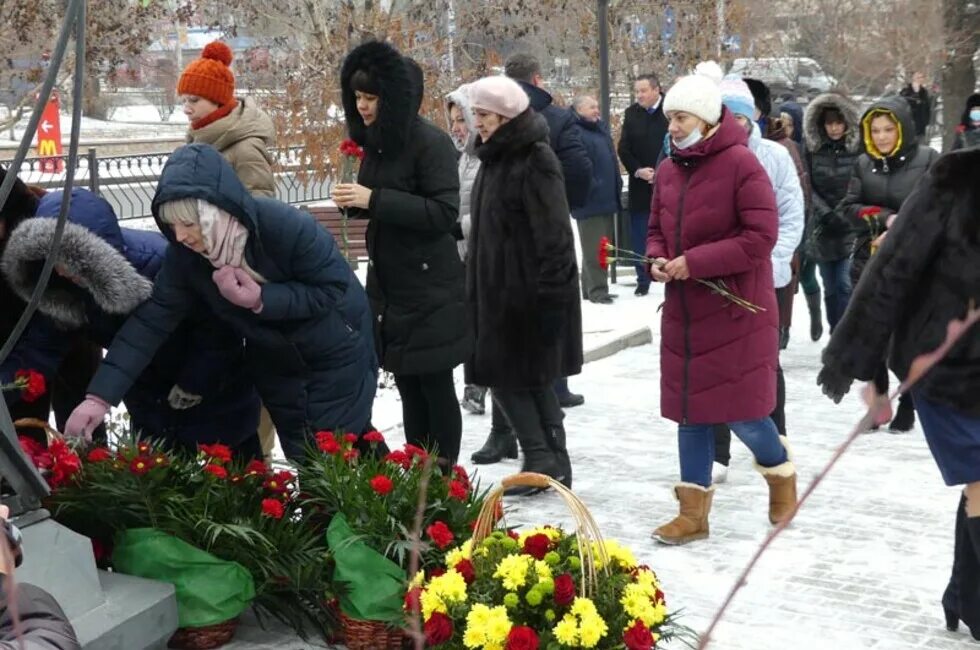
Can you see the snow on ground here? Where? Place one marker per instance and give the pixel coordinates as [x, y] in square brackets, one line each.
[863, 567]
[146, 124]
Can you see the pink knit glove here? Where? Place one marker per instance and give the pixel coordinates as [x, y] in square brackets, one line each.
[238, 288]
[86, 417]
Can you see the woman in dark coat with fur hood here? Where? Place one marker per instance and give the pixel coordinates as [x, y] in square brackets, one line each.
[883, 177]
[264, 272]
[193, 390]
[521, 274]
[831, 127]
[927, 274]
[408, 188]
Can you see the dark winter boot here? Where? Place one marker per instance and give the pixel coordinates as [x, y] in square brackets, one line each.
[905, 416]
[556, 441]
[500, 444]
[816, 316]
[522, 409]
[969, 579]
[964, 579]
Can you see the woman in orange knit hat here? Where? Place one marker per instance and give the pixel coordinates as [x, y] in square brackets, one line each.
[239, 129]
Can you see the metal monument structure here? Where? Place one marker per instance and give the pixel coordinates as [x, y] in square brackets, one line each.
[108, 611]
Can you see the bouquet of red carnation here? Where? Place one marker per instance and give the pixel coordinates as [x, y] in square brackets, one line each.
[610, 253]
[30, 383]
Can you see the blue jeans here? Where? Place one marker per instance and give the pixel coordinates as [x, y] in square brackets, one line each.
[836, 278]
[639, 224]
[696, 447]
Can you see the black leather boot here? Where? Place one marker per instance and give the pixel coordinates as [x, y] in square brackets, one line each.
[522, 410]
[816, 316]
[501, 442]
[969, 579]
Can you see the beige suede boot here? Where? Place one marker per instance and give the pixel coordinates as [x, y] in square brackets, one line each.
[782, 486]
[692, 522]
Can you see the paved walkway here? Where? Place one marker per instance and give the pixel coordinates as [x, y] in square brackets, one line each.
[863, 566]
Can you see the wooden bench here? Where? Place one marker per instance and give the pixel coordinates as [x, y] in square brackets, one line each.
[331, 219]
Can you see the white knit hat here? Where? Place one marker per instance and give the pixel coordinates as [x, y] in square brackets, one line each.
[499, 94]
[695, 94]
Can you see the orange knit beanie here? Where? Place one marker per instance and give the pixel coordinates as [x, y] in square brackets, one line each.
[210, 77]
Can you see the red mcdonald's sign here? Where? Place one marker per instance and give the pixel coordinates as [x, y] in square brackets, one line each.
[49, 138]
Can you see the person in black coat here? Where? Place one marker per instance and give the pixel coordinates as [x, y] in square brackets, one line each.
[641, 144]
[917, 96]
[595, 218]
[193, 391]
[832, 133]
[926, 275]
[268, 274]
[968, 130]
[883, 177]
[521, 275]
[408, 188]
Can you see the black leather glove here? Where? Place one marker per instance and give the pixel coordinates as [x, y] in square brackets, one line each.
[835, 384]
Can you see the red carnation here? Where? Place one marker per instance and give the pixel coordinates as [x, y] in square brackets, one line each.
[279, 482]
[31, 384]
[382, 484]
[373, 436]
[564, 589]
[256, 468]
[351, 438]
[99, 454]
[273, 508]
[216, 453]
[399, 457]
[327, 442]
[65, 467]
[440, 534]
[351, 455]
[437, 571]
[438, 629]
[458, 491]
[537, 546]
[412, 597]
[604, 246]
[140, 465]
[465, 569]
[460, 472]
[216, 470]
[416, 452]
[522, 637]
[638, 637]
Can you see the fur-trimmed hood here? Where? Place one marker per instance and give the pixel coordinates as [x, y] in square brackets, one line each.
[107, 277]
[401, 90]
[813, 127]
[461, 98]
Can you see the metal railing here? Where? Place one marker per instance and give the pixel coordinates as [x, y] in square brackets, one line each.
[129, 182]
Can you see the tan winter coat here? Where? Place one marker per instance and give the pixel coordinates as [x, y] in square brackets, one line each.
[244, 138]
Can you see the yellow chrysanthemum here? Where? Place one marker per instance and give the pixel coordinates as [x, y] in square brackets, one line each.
[449, 588]
[583, 607]
[553, 534]
[618, 555]
[567, 630]
[486, 627]
[648, 580]
[542, 569]
[512, 570]
[418, 580]
[591, 630]
[460, 553]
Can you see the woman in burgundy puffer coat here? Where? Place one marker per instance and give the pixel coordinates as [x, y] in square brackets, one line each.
[714, 216]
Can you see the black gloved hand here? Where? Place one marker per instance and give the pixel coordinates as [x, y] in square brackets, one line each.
[835, 383]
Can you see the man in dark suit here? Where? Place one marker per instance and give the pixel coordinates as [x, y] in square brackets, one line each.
[640, 145]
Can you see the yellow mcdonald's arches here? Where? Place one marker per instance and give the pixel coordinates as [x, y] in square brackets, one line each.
[47, 148]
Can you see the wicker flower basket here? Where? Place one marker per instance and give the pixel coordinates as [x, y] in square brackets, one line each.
[371, 635]
[202, 638]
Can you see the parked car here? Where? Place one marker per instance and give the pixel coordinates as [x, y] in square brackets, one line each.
[790, 78]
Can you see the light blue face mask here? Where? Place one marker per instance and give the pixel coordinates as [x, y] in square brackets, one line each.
[975, 114]
[690, 140]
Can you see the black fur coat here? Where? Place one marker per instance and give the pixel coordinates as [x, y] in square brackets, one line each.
[926, 274]
[521, 274]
